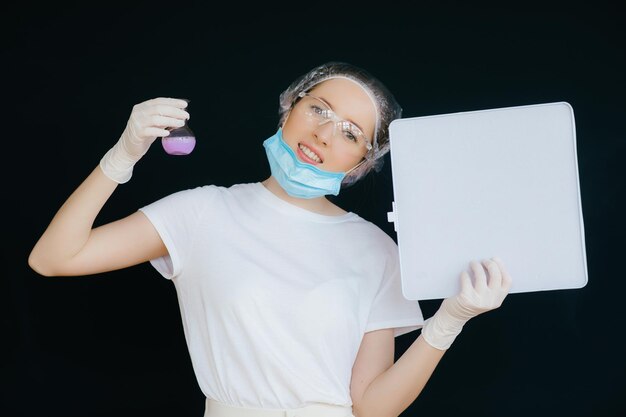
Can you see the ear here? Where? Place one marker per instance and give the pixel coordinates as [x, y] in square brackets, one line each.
[282, 125]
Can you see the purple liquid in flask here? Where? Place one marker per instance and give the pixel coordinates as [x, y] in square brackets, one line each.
[180, 141]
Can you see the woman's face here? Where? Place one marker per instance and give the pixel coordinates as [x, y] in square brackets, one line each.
[328, 142]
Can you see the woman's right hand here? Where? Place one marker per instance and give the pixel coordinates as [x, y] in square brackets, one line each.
[148, 120]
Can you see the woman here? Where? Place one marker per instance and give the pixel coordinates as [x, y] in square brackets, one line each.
[290, 304]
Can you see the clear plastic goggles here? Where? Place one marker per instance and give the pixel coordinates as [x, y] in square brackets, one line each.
[317, 112]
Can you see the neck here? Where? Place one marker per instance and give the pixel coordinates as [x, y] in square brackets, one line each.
[318, 205]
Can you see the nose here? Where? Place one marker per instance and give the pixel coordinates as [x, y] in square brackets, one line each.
[324, 132]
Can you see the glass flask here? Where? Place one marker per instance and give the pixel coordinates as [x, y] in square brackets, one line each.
[180, 141]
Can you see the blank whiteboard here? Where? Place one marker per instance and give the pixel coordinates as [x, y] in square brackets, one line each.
[499, 182]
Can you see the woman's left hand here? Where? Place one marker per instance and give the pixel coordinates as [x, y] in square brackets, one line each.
[485, 293]
[482, 295]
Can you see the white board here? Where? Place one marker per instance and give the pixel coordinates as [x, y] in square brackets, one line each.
[499, 182]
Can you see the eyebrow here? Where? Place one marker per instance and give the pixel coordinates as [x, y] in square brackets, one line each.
[351, 121]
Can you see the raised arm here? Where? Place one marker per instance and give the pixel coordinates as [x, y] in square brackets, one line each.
[69, 245]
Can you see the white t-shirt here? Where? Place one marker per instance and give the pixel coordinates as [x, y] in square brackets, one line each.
[275, 299]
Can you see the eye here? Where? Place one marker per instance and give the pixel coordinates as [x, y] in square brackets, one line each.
[349, 131]
[349, 135]
[318, 110]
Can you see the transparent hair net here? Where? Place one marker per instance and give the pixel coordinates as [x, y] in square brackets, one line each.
[387, 108]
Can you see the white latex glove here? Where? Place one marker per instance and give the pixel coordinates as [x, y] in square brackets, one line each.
[444, 326]
[148, 121]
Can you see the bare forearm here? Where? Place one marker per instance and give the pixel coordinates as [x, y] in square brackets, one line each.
[70, 228]
[396, 388]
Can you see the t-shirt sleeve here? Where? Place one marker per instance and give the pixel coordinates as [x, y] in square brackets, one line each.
[390, 308]
[176, 218]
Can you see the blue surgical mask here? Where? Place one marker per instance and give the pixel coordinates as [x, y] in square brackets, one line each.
[298, 178]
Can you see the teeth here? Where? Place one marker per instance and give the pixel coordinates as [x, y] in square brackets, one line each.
[309, 153]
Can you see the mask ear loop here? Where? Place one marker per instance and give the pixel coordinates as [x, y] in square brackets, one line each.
[356, 166]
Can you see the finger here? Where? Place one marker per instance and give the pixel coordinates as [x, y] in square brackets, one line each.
[466, 283]
[507, 281]
[495, 277]
[479, 276]
[156, 132]
[166, 122]
[170, 111]
[168, 101]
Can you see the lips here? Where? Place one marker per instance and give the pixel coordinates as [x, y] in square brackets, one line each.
[309, 155]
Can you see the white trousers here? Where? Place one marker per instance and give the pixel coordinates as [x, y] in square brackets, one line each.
[216, 409]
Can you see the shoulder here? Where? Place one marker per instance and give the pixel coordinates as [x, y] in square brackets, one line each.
[241, 189]
[213, 191]
[217, 196]
[183, 201]
[373, 235]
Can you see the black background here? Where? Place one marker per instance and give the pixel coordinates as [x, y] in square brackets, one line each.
[112, 344]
